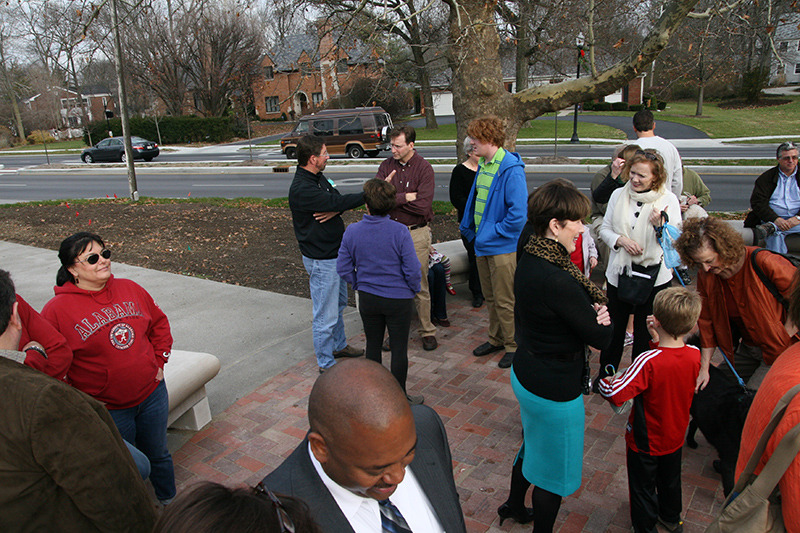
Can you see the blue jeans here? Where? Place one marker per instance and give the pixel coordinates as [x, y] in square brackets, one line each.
[145, 425]
[328, 300]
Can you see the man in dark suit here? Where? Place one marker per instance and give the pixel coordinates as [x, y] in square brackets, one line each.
[351, 467]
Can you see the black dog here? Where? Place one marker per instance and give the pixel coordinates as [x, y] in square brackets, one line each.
[719, 411]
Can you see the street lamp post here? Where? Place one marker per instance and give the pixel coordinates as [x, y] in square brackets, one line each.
[108, 114]
[579, 43]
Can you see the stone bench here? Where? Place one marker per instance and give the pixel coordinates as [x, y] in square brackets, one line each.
[459, 262]
[792, 241]
[186, 376]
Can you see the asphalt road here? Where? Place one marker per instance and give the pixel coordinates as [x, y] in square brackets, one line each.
[577, 151]
[730, 192]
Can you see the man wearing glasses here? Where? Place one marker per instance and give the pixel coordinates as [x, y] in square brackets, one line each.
[413, 178]
[775, 201]
[318, 226]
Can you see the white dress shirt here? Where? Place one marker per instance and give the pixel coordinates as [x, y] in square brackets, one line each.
[365, 516]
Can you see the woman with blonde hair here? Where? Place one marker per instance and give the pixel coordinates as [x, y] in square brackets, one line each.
[629, 229]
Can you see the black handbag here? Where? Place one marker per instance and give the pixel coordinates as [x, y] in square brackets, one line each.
[635, 288]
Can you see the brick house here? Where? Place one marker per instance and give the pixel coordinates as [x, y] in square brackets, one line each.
[58, 108]
[306, 71]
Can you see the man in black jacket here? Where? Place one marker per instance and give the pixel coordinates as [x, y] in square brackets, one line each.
[316, 213]
[775, 201]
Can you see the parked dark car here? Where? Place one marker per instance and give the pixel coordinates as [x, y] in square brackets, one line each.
[113, 149]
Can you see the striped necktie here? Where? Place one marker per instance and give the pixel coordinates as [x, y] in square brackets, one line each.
[391, 519]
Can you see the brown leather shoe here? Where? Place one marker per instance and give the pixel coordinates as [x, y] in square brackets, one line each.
[348, 351]
[429, 343]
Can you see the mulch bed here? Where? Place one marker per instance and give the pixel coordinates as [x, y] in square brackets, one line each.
[252, 245]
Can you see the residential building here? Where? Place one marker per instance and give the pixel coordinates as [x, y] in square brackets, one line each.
[305, 72]
[786, 67]
[59, 108]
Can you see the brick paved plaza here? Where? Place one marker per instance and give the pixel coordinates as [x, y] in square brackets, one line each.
[474, 398]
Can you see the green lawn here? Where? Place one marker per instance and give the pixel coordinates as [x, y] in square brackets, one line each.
[541, 129]
[73, 144]
[722, 123]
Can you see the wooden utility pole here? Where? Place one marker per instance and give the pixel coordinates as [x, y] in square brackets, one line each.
[123, 104]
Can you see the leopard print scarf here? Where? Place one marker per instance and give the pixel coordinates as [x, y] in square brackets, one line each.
[554, 252]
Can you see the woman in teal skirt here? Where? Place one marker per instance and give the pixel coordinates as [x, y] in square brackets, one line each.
[558, 312]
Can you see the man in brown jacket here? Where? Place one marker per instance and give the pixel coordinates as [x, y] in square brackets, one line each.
[63, 465]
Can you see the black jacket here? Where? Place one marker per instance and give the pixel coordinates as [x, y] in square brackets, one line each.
[553, 319]
[759, 200]
[314, 193]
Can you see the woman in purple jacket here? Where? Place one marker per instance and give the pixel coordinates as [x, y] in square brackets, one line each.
[377, 258]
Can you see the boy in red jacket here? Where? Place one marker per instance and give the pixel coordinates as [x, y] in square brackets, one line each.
[661, 383]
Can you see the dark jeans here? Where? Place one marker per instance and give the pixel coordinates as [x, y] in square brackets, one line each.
[145, 426]
[620, 311]
[474, 278]
[654, 484]
[438, 290]
[379, 314]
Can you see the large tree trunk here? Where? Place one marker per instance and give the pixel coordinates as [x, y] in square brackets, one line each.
[424, 76]
[477, 80]
[425, 89]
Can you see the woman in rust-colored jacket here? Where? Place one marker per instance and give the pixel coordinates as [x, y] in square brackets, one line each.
[738, 308]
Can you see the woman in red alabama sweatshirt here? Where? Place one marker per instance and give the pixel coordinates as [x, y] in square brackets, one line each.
[120, 341]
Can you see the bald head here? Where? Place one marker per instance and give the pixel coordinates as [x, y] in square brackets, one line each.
[362, 428]
[355, 391]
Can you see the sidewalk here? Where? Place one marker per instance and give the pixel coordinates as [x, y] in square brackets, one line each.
[474, 398]
[260, 396]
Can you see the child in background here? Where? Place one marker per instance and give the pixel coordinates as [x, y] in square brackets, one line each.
[661, 383]
[437, 257]
[439, 282]
[585, 255]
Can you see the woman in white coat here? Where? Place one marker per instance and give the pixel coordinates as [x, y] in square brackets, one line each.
[629, 229]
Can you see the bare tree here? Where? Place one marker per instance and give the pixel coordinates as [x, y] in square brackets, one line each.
[6, 77]
[222, 51]
[57, 28]
[155, 48]
[477, 86]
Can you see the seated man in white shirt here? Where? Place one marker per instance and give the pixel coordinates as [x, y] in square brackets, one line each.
[370, 457]
[775, 201]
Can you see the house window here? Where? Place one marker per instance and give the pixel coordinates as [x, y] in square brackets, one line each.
[64, 103]
[105, 102]
[74, 122]
[783, 46]
[268, 72]
[798, 46]
[272, 104]
[316, 99]
[797, 68]
[341, 66]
